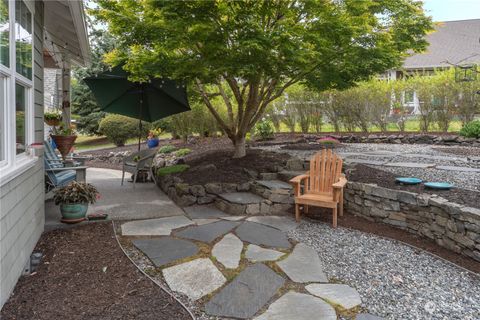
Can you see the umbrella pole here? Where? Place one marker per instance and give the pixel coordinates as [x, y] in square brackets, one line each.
[140, 117]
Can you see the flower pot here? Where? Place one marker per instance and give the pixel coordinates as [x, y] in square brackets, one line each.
[64, 144]
[73, 212]
[52, 122]
[152, 143]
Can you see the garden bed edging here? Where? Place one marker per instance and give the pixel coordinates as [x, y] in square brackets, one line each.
[450, 225]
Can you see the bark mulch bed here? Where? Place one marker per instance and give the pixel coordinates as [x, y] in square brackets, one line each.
[353, 222]
[366, 174]
[220, 167]
[85, 275]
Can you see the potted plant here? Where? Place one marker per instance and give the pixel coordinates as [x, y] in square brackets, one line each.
[328, 142]
[64, 139]
[153, 138]
[52, 118]
[74, 199]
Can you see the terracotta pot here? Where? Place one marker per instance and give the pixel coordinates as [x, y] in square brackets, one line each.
[64, 144]
[52, 122]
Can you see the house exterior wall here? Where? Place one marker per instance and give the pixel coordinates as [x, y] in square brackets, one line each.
[22, 198]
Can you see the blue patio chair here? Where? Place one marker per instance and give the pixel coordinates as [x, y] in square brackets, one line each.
[61, 176]
[55, 161]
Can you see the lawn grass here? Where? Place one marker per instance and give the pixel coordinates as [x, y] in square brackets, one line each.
[98, 142]
[412, 125]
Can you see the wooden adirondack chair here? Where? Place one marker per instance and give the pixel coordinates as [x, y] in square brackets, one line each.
[322, 186]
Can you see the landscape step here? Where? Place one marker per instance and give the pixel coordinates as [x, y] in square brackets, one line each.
[274, 184]
[241, 198]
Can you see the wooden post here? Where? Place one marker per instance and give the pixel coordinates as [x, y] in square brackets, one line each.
[66, 115]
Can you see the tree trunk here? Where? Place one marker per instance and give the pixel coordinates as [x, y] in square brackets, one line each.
[239, 144]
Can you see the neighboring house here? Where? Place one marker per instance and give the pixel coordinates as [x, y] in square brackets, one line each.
[33, 35]
[452, 43]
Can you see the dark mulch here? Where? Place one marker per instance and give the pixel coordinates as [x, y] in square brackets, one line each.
[461, 151]
[365, 174]
[307, 146]
[70, 282]
[200, 146]
[350, 221]
[229, 170]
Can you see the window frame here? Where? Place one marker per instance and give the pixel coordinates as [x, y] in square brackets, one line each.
[14, 164]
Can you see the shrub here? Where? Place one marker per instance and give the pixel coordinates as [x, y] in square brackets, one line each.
[178, 168]
[167, 149]
[471, 129]
[183, 152]
[264, 129]
[118, 129]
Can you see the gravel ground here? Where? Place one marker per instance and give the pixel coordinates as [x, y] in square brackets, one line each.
[394, 280]
[409, 153]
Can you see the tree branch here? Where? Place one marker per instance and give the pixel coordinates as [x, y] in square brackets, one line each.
[227, 103]
[206, 100]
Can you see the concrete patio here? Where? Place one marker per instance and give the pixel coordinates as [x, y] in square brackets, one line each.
[146, 201]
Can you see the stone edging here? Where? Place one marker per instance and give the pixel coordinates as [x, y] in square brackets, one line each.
[149, 277]
[398, 138]
[449, 224]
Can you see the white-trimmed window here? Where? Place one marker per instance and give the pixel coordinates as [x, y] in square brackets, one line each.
[16, 85]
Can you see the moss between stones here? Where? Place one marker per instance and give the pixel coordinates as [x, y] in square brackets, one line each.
[172, 169]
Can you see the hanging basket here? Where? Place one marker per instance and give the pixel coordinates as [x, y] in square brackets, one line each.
[64, 144]
[53, 122]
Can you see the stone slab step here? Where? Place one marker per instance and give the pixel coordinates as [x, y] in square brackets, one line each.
[461, 169]
[274, 184]
[241, 198]
[287, 175]
[410, 165]
[364, 161]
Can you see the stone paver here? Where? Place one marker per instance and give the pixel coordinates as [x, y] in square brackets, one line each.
[200, 222]
[274, 184]
[203, 212]
[303, 265]
[257, 254]
[227, 251]
[207, 232]
[246, 294]
[367, 162]
[298, 306]
[165, 250]
[410, 165]
[233, 218]
[155, 227]
[337, 294]
[277, 222]
[262, 235]
[194, 278]
[241, 197]
[461, 169]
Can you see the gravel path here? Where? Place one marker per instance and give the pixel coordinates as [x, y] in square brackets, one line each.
[394, 280]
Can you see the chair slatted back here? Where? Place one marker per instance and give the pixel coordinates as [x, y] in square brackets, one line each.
[325, 170]
[51, 156]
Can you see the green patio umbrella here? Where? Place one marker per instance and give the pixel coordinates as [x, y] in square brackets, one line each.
[149, 101]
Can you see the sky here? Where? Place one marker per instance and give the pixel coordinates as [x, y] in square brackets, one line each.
[448, 10]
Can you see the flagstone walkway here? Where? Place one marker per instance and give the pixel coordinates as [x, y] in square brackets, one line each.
[245, 269]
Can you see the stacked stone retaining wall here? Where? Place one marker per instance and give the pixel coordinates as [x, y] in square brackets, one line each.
[450, 225]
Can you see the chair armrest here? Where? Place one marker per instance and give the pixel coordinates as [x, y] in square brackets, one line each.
[340, 183]
[299, 179]
[66, 168]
